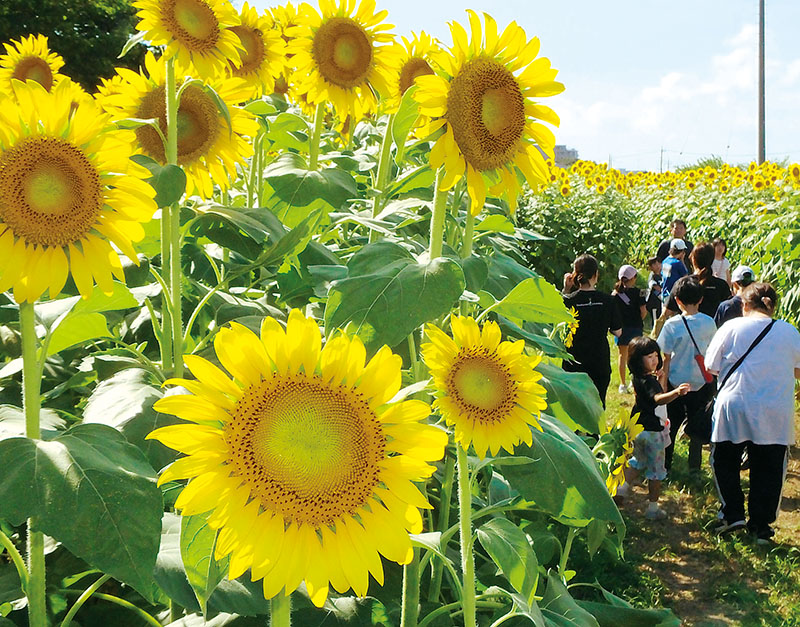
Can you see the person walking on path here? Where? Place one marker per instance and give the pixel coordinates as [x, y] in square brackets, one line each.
[757, 359]
[715, 290]
[597, 316]
[673, 268]
[721, 265]
[682, 339]
[729, 309]
[632, 309]
[677, 230]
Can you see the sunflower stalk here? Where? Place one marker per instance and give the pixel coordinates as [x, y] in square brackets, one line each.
[381, 179]
[280, 611]
[255, 171]
[82, 599]
[31, 402]
[313, 154]
[437, 219]
[443, 522]
[173, 216]
[562, 564]
[465, 526]
[410, 608]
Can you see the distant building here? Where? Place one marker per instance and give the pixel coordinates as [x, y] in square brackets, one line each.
[565, 157]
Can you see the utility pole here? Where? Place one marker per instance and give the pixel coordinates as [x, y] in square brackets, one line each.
[762, 144]
[661, 161]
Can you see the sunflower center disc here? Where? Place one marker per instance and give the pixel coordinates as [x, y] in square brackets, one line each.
[481, 386]
[413, 68]
[192, 22]
[50, 192]
[486, 110]
[253, 55]
[307, 450]
[34, 69]
[342, 52]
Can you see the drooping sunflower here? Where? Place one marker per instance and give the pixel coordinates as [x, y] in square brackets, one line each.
[67, 189]
[410, 60]
[199, 32]
[482, 103]
[486, 388]
[301, 460]
[30, 59]
[207, 149]
[263, 57]
[623, 433]
[339, 56]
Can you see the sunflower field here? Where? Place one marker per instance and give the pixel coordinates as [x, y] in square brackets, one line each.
[271, 346]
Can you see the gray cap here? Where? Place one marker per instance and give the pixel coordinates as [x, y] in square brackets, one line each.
[743, 275]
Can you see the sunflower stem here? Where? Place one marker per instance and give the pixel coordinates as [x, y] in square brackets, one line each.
[165, 329]
[465, 521]
[16, 558]
[82, 599]
[174, 216]
[443, 522]
[313, 148]
[437, 218]
[254, 169]
[384, 166]
[31, 402]
[280, 611]
[562, 564]
[410, 609]
[469, 234]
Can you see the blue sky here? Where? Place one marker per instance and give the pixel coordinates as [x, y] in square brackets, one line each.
[644, 75]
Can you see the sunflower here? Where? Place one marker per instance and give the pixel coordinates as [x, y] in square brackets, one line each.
[623, 433]
[30, 59]
[207, 149]
[338, 56]
[571, 327]
[284, 21]
[67, 187]
[199, 32]
[410, 60]
[487, 388]
[301, 460]
[482, 104]
[263, 56]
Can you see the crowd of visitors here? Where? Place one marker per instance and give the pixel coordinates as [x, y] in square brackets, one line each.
[719, 368]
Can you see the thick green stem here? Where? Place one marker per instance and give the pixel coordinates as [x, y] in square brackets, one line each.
[164, 327]
[31, 402]
[280, 611]
[437, 219]
[313, 147]
[16, 558]
[442, 524]
[562, 565]
[254, 172]
[465, 522]
[82, 599]
[410, 611]
[174, 216]
[384, 167]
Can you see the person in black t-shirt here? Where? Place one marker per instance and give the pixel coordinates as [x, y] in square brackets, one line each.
[715, 290]
[631, 305]
[597, 316]
[677, 230]
[645, 364]
[729, 309]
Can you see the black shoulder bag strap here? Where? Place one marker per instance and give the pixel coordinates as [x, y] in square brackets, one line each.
[747, 352]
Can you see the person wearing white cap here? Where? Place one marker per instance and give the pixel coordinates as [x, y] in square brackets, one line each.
[632, 309]
[673, 268]
[729, 309]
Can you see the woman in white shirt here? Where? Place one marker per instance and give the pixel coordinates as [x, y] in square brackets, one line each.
[754, 409]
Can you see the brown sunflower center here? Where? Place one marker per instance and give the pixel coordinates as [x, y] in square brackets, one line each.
[481, 386]
[34, 69]
[253, 56]
[307, 450]
[343, 52]
[199, 124]
[486, 111]
[193, 23]
[411, 69]
[50, 193]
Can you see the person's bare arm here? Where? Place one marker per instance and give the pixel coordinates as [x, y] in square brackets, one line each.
[643, 311]
[616, 332]
[668, 397]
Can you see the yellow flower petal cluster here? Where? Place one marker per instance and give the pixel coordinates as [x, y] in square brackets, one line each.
[482, 103]
[338, 56]
[485, 388]
[207, 149]
[410, 59]
[68, 189]
[285, 21]
[29, 58]
[301, 459]
[626, 429]
[199, 32]
[263, 57]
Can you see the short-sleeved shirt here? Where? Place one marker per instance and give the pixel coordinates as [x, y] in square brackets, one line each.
[757, 402]
[714, 292]
[597, 315]
[672, 269]
[645, 389]
[720, 268]
[629, 301]
[663, 249]
[728, 310]
[674, 341]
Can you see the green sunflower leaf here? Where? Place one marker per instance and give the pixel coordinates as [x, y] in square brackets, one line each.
[510, 549]
[204, 573]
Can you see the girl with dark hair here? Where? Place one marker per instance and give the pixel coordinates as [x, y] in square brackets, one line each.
[721, 266]
[645, 362]
[715, 290]
[632, 311]
[757, 359]
[597, 316]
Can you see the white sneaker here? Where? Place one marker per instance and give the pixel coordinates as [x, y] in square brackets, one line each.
[622, 389]
[655, 514]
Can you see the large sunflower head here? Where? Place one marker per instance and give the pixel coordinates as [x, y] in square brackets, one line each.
[300, 458]
[29, 59]
[208, 149]
[483, 102]
[199, 32]
[485, 388]
[338, 56]
[263, 57]
[411, 59]
[68, 189]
